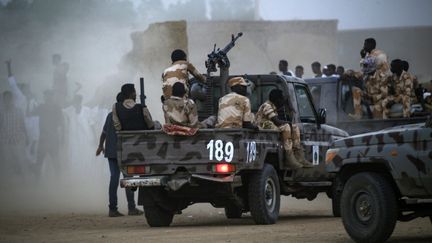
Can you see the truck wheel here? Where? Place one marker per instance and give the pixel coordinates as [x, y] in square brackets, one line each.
[157, 216]
[264, 195]
[369, 208]
[232, 211]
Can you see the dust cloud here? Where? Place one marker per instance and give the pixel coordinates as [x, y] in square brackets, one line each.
[71, 57]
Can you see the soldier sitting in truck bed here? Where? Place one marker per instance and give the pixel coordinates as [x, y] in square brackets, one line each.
[235, 108]
[267, 118]
[179, 110]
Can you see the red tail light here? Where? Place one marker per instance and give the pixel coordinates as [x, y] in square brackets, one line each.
[224, 168]
[136, 169]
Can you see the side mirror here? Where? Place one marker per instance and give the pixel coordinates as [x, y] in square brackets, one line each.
[322, 115]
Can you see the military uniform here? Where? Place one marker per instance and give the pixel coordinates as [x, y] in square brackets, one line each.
[180, 111]
[234, 109]
[179, 72]
[375, 85]
[403, 89]
[291, 136]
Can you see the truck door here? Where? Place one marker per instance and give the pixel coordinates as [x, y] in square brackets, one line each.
[314, 140]
[425, 157]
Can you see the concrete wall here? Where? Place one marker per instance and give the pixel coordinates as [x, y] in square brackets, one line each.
[411, 44]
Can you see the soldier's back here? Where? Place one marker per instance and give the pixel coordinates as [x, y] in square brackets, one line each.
[233, 110]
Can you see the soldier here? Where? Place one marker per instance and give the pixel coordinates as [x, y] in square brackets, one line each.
[178, 72]
[234, 108]
[369, 51]
[179, 110]
[109, 138]
[267, 118]
[400, 89]
[129, 115]
[375, 75]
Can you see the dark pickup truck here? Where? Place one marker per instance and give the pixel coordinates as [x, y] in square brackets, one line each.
[382, 177]
[335, 96]
[240, 170]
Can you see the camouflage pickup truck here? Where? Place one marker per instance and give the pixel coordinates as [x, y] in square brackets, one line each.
[237, 169]
[382, 177]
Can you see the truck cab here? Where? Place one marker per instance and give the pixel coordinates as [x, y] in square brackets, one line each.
[335, 96]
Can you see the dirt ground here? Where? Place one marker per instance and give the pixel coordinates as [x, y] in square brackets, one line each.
[299, 221]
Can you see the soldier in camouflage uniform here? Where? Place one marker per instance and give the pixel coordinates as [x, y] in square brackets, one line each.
[179, 72]
[235, 108]
[267, 118]
[376, 76]
[179, 110]
[400, 90]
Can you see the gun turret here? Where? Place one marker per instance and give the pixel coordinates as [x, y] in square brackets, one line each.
[219, 57]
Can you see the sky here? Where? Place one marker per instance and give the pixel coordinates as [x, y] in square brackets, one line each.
[352, 14]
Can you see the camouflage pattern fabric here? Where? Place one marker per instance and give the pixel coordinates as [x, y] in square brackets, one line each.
[175, 130]
[180, 111]
[179, 72]
[290, 133]
[376, 90]
[234, 109]
[381, 60]
[264, 115]
[403, 87]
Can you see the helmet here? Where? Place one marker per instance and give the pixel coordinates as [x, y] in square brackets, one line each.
[198, 91]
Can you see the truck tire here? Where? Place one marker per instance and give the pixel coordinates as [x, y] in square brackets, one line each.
[157, 216]
[264, 195]
[369, 208]
[233, 211]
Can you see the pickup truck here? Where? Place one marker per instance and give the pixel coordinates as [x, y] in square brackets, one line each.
[382, 177]
[335, 96]
[240, 170]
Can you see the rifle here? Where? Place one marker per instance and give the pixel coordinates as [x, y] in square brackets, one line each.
[142, 95]
[220, 56]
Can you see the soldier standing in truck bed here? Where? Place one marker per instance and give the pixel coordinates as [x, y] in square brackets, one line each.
[267, 118]
[179, 72]
[376, 75]
[235, 108]
[400, 90]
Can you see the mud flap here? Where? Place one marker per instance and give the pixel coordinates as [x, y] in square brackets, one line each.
[151, 196]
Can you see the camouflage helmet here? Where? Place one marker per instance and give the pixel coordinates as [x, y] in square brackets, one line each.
[368, 65]
[198, 91]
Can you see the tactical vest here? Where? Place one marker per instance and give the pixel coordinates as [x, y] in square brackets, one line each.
[131, 119]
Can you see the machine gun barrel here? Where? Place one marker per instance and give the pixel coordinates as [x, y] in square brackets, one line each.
[219, 56]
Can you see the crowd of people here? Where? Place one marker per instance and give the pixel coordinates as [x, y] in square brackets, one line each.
[377, 86]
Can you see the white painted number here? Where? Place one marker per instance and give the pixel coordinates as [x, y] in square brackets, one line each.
[218, 151]
[251, 152]
[315, 155]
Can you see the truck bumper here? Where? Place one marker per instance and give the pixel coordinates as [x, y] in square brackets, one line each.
[174, 182]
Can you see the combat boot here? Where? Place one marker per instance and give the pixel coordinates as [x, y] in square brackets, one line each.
[291, 161]
[299, 155]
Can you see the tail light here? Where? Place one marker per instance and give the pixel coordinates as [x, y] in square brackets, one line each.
[136, 169]
[224, 168]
